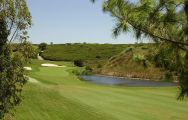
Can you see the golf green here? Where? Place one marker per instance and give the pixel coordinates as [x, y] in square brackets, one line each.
[57, 94]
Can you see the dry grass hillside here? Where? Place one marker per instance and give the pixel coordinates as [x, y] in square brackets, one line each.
[133, 62]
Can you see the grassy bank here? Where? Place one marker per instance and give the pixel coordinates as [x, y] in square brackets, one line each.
[108, 59]
[60, 95]
[92, 54]
[134, 62]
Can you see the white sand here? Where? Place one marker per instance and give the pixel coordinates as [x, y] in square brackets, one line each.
[39, 57]
[32, 80]
[28, 68]
[50, 65]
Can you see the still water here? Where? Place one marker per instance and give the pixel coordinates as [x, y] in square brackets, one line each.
[107, 80]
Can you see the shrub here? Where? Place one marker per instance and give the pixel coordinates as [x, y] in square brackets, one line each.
[98, 56]
[99, 66]
[42, 46]
[79, 63]
[141, 60]
[28, 50]
[88, 68]
[80, 72]
[144, 47]
[138, 58]
[129, 49]
[168, 76]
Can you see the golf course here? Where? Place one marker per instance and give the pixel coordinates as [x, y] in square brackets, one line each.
[55, 93]
[94, 60]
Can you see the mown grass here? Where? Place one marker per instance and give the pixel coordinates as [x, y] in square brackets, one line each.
[60, 95]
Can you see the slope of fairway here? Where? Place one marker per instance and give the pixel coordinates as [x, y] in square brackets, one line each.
[59, 95]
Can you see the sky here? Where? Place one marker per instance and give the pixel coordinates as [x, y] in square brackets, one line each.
[72, 21]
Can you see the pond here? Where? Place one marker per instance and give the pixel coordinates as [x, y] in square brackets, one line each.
[108, 80]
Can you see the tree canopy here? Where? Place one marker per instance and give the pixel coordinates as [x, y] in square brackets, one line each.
[42, 46]
[162, 21]
[17, 18]
[14, 21]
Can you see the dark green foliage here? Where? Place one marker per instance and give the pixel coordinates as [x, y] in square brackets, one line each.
[79, 63]
[12, 76]
[144, 47]
[98, 57]
[164, 21]
[184, 79]
[88, 68]
[70, 52]
[129, 49]
[171, 58]
[168, 76]
[15, 18]
[99, 66]
[81, 72]
[91, 54]
[28, 50]
[43, 46]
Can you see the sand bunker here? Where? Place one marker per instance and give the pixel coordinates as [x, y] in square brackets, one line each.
[28, 68]
[32, 80]
[50, 65]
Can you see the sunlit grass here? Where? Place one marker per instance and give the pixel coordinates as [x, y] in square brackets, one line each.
[62, 96]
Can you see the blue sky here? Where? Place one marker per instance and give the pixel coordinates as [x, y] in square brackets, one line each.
[70, 21]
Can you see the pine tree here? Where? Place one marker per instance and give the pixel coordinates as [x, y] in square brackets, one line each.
[162, 21]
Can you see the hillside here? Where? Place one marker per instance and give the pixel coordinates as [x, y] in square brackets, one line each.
[92, 54]
[134, 62]
[108, 59]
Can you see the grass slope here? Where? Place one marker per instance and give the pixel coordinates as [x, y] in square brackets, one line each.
[91, 54]
[109, 59]
[130, 63]
[60, 95]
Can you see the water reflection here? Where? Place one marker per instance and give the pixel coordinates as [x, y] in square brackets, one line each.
[106, 80]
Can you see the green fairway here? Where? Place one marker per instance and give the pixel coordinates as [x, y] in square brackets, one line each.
[60, 95]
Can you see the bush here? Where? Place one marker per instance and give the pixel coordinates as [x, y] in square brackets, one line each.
[144, 47]
[98, 57]
[88, 68]
[27, 50]
[129, 49]
[141, 60]
[168, 76]
[42, 46]
[138, 58]
[99, 66]
[12, 79]
[78, 63]
[80, 72]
